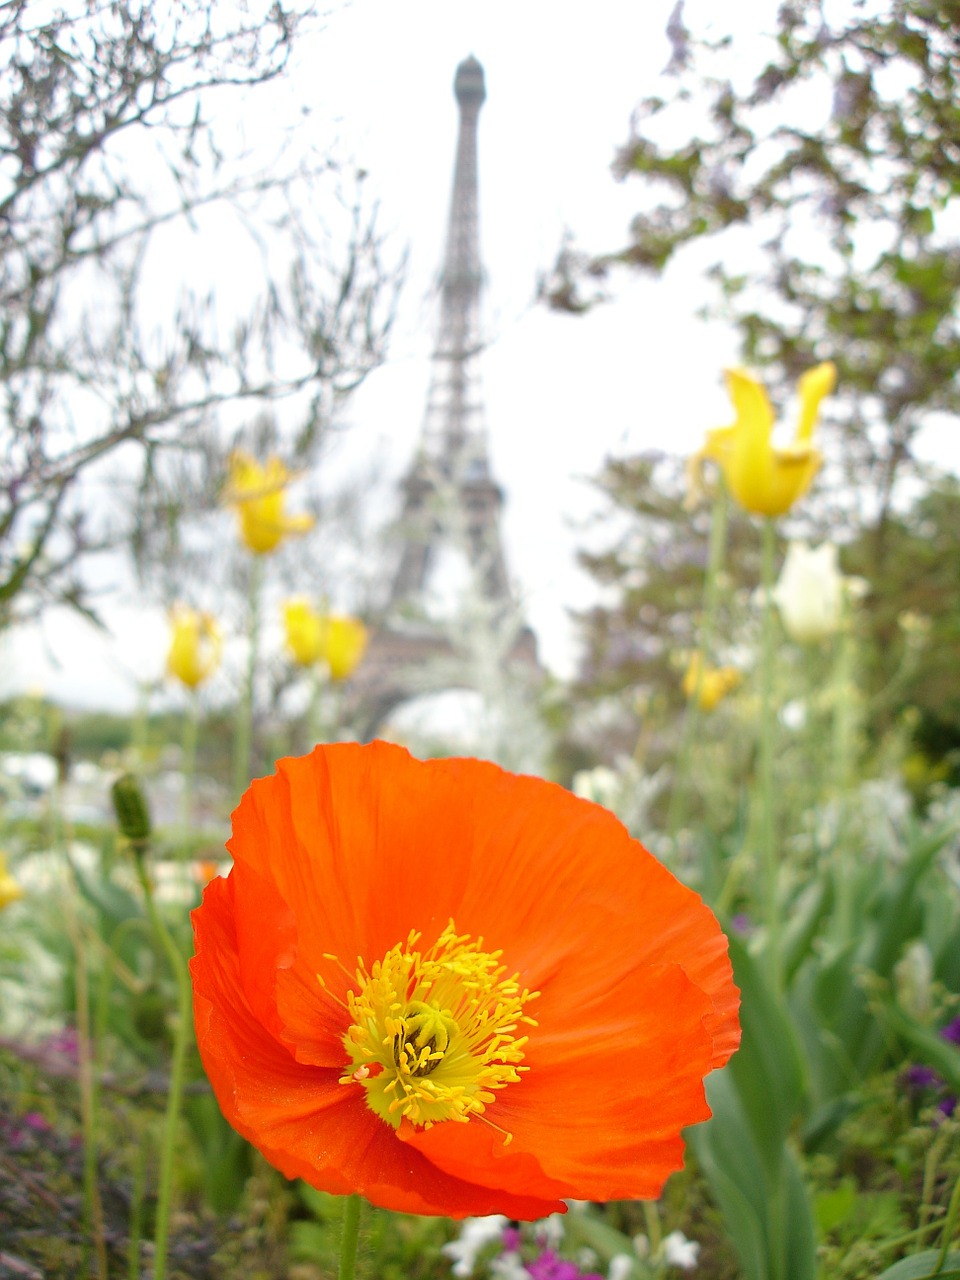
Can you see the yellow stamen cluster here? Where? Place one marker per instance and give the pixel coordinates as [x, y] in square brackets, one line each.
[433, 1033]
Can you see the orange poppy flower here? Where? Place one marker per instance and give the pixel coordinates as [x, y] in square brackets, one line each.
[455, 990]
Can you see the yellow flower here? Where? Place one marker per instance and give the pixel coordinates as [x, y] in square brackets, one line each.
[259, 494]
[335, 639]
[10, 889]
[714, 684]
[763, 478]
[195, 647]
[344, 644]
[305, 631]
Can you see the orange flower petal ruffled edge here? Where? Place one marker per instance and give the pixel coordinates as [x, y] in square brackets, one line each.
[341, 854]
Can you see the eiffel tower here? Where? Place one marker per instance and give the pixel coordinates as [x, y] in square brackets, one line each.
[450, 501]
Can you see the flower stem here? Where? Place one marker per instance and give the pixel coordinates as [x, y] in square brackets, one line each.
[842, 756]
[349, 1237]
[244, 728]
[768, 834]
[172, 1117]
[191, 726]
[711, 591]
[86, 1051]
[949, 1226]
[651, 1218]
[315, 725]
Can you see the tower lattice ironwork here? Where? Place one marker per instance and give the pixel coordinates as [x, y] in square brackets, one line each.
[450, 500]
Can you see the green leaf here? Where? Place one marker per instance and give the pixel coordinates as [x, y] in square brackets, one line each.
[767, 1069]
[832, 1208]
[806, 916]
[768, 1218]
[931, 1048]
[735, 1173]
[796, 1229]
[923, 1266]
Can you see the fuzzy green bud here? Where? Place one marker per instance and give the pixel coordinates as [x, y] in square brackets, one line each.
[133, 816]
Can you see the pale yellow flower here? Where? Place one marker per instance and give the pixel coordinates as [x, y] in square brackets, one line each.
[811, 592]
[10, 890]
[712, 686]
[195, 646]
[259, 496]
[765, 479]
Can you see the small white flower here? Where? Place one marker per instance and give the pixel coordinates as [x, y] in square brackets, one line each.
[602, 785]
[549, 1231]
[475, 1235]
[678, 1251]
[507, 1266]
[811, 591]
[642, 1246]
[621, 1267]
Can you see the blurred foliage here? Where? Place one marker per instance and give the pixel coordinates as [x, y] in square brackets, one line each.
[116, 160]
[821, 180]
[637, 642]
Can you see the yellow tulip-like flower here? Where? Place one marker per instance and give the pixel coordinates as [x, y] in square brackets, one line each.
[714, 684]
[259, 495]
[764, 479]
[196, 646]
[305, 631]
[10, 889]
[344, 644]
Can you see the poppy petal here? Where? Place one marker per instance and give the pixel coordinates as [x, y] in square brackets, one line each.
[301, 1118]
[349, 855]
[599, 1114]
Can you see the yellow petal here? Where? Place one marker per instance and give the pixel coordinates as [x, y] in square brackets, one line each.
[813, 386]
[259, 495]
[752, 405]
[305, 631]
[344, 646]
[195, 646]
[10, 889]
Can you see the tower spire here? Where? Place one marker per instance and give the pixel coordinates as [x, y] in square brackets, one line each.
[452, 466]
[449, 498]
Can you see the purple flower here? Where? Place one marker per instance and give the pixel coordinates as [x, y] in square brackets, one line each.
[951, 1032]
[549, 1267]
[64, 1044]
[511, 1239]
[917, 1078]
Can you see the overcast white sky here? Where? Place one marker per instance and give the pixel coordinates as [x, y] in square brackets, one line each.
[562, 393]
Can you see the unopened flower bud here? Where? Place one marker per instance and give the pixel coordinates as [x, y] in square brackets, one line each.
[133, 816]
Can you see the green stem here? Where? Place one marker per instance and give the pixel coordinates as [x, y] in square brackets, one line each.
[191, 730]
[315, 726]
[842, 756]
[953, 1210]
[244, 729]
[768, 835]
[172, 1117]
[86, 1060]
[86, 1064]
[677, 812]
[349, 1237]
[651, 1218]
[139, 727]
[136, 1211]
